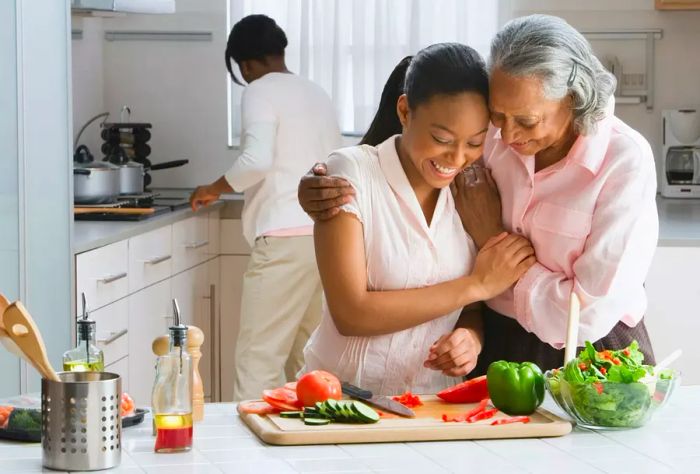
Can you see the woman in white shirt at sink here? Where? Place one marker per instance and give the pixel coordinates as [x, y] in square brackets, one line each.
[396, 264]
[288, 123]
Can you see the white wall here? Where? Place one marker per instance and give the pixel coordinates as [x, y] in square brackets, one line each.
[88, 80]
[677, 59]
[180, 87]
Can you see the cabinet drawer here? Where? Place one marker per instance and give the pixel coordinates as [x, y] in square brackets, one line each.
[121, 367]
[232, 240]
[214, 223]
[150, 312]
[112, 323]
[102, 274]
[190, 242]
[150, 258]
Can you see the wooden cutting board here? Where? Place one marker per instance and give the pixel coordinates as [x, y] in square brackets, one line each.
[426, 426]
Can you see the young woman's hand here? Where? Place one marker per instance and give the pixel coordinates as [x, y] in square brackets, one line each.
[321, 196]
[478, 203]
[455, 354]
[501, 262]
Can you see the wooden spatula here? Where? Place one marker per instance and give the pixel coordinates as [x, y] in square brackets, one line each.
[5, 340]
[21, 328]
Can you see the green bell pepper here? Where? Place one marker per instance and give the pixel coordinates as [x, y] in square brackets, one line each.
[515, 389]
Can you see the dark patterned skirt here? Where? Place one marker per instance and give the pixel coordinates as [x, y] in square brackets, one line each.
[506, 339]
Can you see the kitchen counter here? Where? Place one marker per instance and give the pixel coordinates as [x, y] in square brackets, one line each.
[89, 235]
[679, 222]
[670, 443]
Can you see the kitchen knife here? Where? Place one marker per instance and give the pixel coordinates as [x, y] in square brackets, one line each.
[385, 403]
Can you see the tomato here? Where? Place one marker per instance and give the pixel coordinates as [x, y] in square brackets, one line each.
[471, 391]
[127, 405]
[318, 386]
[257, 408]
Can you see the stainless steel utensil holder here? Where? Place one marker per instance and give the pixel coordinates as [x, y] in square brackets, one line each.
[81, 422]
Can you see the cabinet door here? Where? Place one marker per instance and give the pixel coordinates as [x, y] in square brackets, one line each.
[232, 269]
[150, 312]
[112, 326]
[672, 291]
[191, 289]
[211, 316]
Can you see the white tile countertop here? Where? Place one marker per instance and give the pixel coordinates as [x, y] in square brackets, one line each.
[223, 444]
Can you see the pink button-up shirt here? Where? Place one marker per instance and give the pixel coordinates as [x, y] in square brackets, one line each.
[593, 222]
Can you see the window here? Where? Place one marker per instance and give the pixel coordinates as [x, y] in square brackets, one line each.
[351, 47]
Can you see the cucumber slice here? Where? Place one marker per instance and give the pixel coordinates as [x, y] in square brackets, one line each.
[364, 413]
[332, 406]
[347, 415]
[316, 421]
[291, 414]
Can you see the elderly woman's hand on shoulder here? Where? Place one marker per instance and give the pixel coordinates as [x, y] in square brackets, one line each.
[478, 203]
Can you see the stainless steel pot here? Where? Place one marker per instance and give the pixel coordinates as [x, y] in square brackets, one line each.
[96, 183]
[132, 174]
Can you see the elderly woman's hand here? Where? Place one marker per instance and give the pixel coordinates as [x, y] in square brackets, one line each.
[321, 196]
[478, 203]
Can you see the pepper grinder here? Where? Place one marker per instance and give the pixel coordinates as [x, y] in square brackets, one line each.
[195, 339]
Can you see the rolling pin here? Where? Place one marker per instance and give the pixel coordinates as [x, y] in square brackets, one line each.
[195, 339]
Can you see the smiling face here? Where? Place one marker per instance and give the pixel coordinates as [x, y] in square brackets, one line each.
[529, 122]
[441, 137]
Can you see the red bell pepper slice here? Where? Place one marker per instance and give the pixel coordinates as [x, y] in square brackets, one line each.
[484, 415]
[512, 419]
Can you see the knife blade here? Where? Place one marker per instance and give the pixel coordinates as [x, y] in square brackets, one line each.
[385, 403]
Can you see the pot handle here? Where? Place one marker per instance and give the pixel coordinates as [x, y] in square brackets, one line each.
[169, 164]
[82, 171]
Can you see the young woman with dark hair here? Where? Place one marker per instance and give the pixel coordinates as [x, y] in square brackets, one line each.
[396, 265]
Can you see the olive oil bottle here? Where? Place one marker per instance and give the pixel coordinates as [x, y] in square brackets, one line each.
[86, 356]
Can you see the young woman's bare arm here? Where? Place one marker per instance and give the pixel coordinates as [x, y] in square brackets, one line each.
[358, 311]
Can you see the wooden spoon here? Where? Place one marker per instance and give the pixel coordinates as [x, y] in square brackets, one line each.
[572, 328]
[21, 328]
[4, 337]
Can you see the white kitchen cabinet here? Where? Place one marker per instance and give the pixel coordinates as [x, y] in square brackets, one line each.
[212, 312]
[112, 330]
[214, 235]
[672, 315]
[192, 289]
[103, 275]
[150, 258]
[150, 312]
[121, 367]
[232, 269]
[190, 242]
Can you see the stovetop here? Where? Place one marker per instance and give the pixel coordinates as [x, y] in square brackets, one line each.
[159, 204]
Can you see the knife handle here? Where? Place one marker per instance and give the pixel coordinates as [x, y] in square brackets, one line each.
[355, 392]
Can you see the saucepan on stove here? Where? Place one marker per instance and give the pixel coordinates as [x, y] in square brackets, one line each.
[94, 182]
[132, 174]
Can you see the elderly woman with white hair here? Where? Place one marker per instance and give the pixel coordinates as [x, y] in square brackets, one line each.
[562, 171]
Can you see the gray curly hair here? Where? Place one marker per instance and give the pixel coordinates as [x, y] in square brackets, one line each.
[549, 48]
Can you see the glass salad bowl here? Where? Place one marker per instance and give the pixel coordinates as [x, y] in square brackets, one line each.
[611, 405]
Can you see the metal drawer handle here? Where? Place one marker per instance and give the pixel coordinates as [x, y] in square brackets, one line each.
[113, 336]
[197, 245]
[157, 260]
[112, 278]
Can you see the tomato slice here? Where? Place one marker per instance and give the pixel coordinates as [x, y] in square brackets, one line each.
[291, 386]
[471, 391]
[258, 408]
[282, 395]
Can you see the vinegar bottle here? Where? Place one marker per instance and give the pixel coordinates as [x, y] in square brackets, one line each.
[172, 393]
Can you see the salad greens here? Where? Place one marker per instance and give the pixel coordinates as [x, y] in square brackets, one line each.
[607, 388]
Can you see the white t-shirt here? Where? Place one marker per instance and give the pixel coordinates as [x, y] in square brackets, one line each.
[401, 252]
[289, 123]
